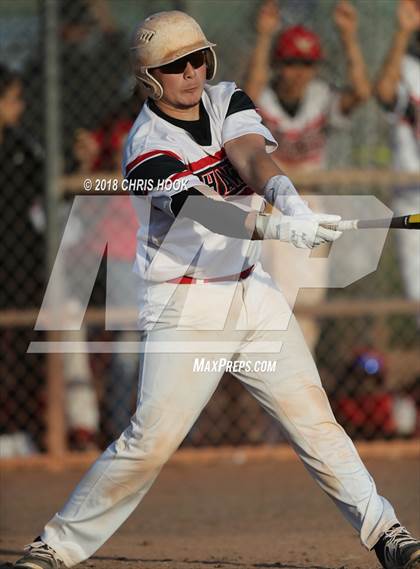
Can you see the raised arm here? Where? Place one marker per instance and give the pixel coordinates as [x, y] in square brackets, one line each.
[408, 21]
[346, 20]
[268, 21]
[102, 14]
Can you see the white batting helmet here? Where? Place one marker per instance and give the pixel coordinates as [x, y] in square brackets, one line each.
[163, 38]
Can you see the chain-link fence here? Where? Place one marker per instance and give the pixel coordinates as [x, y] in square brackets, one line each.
[67, 102]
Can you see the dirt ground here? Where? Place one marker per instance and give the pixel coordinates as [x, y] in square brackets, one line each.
[252, 515]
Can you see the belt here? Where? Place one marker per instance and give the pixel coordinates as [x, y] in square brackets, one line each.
[192, 280]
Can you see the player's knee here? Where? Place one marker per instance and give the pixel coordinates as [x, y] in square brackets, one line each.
[158, 450]
[152, 450]
[150, 438]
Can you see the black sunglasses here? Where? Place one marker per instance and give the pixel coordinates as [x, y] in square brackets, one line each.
[197, 59]
[302, 62]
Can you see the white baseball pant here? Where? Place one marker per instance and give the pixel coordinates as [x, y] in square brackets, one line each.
[171, 397]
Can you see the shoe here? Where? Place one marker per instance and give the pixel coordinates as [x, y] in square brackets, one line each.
[38, 555]
[397, 549]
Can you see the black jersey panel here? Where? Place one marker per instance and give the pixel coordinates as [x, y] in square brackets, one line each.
[239, 102]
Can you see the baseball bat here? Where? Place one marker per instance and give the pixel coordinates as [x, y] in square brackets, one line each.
[403, 222]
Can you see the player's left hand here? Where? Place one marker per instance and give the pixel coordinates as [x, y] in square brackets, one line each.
[345, 17]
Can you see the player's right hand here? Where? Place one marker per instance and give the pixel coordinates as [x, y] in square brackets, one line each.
[302, 231]
[268, 19]
[345, 17]
[327, 227]
[408, 14]
[309, 231]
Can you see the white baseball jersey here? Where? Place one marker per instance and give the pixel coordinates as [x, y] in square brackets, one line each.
[162, 150]
[302, 138]
[406, 135]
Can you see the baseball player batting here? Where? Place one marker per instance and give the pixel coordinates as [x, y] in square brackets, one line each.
[203, 285]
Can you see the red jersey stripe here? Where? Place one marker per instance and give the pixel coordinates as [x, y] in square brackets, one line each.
[207, 161]
[181, 175]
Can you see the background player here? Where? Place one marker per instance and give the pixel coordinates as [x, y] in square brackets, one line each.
[398, 90]
[21, 173]
[212, 138]
[301, 109]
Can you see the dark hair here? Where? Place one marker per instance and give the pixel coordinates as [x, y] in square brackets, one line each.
[7, 78]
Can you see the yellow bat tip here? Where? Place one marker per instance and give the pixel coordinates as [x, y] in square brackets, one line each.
[415, 218]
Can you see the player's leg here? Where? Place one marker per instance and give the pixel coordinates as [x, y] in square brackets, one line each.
[82, 410]
[293, 394]
[171, 396]
[82, 407]
[170, 400]
[301, 268]
[120, 380]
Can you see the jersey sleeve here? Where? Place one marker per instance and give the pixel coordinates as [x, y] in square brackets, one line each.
[242, 118]
[408, 88]
[160, 174]
[402, 100]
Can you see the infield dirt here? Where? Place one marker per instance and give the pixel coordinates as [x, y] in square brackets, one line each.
[251, 515]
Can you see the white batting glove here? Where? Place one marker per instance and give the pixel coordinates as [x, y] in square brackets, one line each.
[303, 231]
[327, 224]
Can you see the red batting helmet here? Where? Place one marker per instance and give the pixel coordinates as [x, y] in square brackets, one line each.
[298, 42]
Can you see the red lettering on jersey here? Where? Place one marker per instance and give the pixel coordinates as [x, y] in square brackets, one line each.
[224, 179]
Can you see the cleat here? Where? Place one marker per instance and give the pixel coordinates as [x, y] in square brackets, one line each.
[38, 555]
[397, 549]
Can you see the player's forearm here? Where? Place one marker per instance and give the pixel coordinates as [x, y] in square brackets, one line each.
[259, 67]
[268, 180]
[263, 175]
[248, 155]
[226, 219]
[389, 76]
[257, 168]
[358, 78]
[214, 213]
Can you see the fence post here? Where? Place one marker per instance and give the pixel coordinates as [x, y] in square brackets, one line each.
[56, 430]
